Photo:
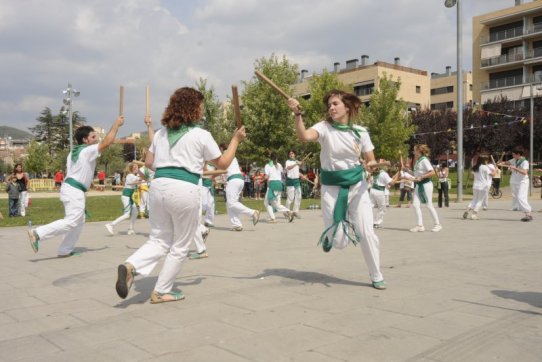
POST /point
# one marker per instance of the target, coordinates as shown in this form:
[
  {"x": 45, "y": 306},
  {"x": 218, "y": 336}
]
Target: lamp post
[
  {"x": 450, "y": 4},
  {"x": 70, "y": 93},
  {"x": 531, "y": 136}
]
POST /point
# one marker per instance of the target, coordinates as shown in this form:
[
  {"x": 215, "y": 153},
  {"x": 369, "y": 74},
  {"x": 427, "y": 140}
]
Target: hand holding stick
[{"x": 236, "y": 106}]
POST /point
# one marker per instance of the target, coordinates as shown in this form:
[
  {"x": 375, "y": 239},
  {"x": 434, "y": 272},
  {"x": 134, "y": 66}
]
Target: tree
[
  {"x": 216, "y": 122},
  {"x": 38, "y": 158},
  {"x": 112, "y": 159},
  {"x": 387, "y": 120},
  {"x": 266, "y": 115},
  {"x": 436, "y": 129}
]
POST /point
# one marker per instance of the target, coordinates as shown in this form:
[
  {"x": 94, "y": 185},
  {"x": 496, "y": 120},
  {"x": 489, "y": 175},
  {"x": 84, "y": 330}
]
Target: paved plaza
[{"x": 472, "y": 292}]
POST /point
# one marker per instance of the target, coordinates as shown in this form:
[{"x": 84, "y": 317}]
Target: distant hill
[{"x": 15, "y": 133}]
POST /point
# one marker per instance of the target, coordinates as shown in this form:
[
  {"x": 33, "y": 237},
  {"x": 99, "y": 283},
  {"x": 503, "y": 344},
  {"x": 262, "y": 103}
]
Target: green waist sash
[
  {"x": 378, "y": 187},
  {"x": 237, "y": 175},
  {"x": 421, "y": 190},
  {"x": 344, "y": 179},
  {"x": 78, "y": 185},
  {"x": 273, "y": 186},
  {"x": 129, "y": 193},
  {"x": 178, "y": 173},
  {"x": 293, "y": 182},
  {"x": 207, "y": 182}
]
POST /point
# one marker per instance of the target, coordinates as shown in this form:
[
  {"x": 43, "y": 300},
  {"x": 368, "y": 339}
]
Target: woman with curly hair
[
  {"x": 177, "y": 154},
  {"x": 346, "y": 206},
  {"x": 423, "y": 190}
]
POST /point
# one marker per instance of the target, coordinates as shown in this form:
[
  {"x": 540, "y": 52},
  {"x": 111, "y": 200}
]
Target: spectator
[{"x": 59, "y": 178}]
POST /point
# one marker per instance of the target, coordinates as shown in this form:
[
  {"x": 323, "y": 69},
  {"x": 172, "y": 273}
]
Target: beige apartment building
[
  {"x": 364, "y": 78},
  {"x": 444, "y": 90},
  {"x": 507, "y": 53}
]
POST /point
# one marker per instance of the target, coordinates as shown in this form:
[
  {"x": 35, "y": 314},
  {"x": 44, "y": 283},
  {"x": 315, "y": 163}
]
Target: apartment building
[
  {"x": 364, "y": 78},
  {"x": 507, "y": 53},
  {"x": 444, "y": 90}
]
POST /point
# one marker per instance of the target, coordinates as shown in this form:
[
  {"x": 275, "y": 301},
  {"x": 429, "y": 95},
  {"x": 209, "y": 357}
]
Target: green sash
[
  {"x": 293, "y": 182},
  {"x": 174, "y": 135},
  {"x": 347, "y": 128},
  {"x": 421, "y": 190},
  {"x": 76, "y": 151},
  {"x": 177, "y": 173},
  {"x": 72, "y": 182},
  {"x": 273, "y": 186},
  {"x": 237, "y": 175},
  {"x": 344, "y": 179},
  {"x": 207, "y": 182},
  {"x": 375, "y": 185},
  {"x": 520, "y": 161},
  {"x": 129, "y": 193}
]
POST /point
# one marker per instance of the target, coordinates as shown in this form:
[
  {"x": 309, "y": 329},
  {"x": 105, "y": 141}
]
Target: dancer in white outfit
[
  {"x": 346, "y": 205},
  {"x": 129, "y": 208},
  {"x": 81, "y": 164},
  {"x": 177, "y": 154},
  {"x": 381, "y": 182},
  {"x": 208, "y": 197},
  {"x": 234, "y": 190},
  {"x": 293, "y": 185},
  {"x": 480, "y": 187},
  {"x": 273, "y": 174},
  {"x": 423, "y": 192},
  {"x": 519, "y": 182}
]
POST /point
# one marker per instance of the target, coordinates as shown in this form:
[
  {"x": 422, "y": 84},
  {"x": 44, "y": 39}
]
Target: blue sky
[{"x": 98, "y": 45}]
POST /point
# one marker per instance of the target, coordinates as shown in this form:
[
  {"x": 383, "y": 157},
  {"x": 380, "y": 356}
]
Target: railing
[
  {"x": 535, "y": 53},
  {"x": 503, "y": 59},
  {"x": 536, "y": 28},
  {"x": 503, "y": 35},
  {"x": 503, "y": 82}
]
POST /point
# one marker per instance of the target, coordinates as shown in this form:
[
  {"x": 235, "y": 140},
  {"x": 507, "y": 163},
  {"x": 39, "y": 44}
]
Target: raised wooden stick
[
  {"x": 121, "y": 101},
  {"x": 236, "y": 106},
  {"x": 271, "y": 84},
  {"x": 139, "y": 163},
  {"x": 147, "y": 100},
  {"x": 306, "y": 156}
]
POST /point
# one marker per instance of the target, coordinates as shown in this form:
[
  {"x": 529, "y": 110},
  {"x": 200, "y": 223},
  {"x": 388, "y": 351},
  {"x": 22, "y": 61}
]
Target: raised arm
[
  {"x": 110, "y": 137},
  {"x": 224, "y": 161},
  {"x": 303, "y": 134}
]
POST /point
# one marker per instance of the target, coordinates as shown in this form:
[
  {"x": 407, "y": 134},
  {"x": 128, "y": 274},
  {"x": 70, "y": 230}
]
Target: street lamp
[
  {"x": 450, "y": 4},
  {"x": 531, "y": 130},
  {"x": 70, "y": 93}
]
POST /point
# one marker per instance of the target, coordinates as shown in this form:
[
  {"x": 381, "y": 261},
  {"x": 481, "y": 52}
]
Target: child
[
  {"x": 129, "y": 207},
  {"x": 81, "y": 163},
  {"x": 14, "y": 192}
]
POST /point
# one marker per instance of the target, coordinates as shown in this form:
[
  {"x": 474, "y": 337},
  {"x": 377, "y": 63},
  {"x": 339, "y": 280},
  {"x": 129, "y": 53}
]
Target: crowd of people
[{"x": 183, "y": 162}]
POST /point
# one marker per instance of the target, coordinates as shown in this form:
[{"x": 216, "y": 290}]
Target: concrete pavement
[{"x": 472, "y": 292}]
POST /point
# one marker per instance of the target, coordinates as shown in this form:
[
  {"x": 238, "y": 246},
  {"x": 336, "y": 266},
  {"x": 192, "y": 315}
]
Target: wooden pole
[
  {"x": 121, "y": 101},
  {"x": 271, "y": 84},
  {"x": 147, "y": 100},
  {"x": 236, "y": 106}
]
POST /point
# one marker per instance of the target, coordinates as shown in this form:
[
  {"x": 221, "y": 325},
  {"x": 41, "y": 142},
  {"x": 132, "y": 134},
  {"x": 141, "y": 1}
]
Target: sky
[{"x": 99, "y": 45}]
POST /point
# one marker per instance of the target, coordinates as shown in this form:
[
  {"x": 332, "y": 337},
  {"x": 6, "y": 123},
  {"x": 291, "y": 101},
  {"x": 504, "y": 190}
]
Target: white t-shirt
[
  {"x": 83, "y": 170},
  {"x": 383, "y": 179},
  {"x": 131, "y": 181},
  {"x": 273, "y": 173},
  {"x": 482, "y": 178},
  {"x": 190, "y": 152},
  {"x": 406, "y": 176},
  {"x": 492, "y": 169},
  {"x": 341, "y": 150},
  {"x": 422, "y": 166},
  {"x": 234, "y": 168},
  {"x": 294, "y": 171},
  {"x": 516, "y": 177}
]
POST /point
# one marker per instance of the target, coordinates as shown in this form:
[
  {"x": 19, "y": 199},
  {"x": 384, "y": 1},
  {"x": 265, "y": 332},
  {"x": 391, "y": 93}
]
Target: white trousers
[
  {"x": 478, "y": 197},
  {"x": 208, "y": 205},
  {"x": 72, "y": 223},
  {"x": 360, "y": 213},
  {"x": 520, "y": 192},
  {"x": 275, "y": 204},
  {"x": 174, "y": 222},
  {"x": 416, "y": 203},
  {"x": 293, "y": 195},
  {"x": 235, "y": 208},
  {"x": 129, "y": 212},
  {"x": 198, "y": 238},
  {"x": 144, "y": 201},
  {"x": 379, "y": 200},
  {"x": 23, "y": 202}
]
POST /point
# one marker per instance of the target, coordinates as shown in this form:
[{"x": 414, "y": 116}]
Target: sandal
[
  {"x": 194, "y": 256},
  {"x": 159, "y": 297},
  {"x": 126, "y": 273}
]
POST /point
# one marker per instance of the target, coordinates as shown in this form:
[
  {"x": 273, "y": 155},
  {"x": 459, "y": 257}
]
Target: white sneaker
[
  {"x": 109, "y": 228},
  {"x": 436, "y": 228},
  {"x": 474, "y": 217},
  {"x": 417, "y": 229},
  {"x": 131, "y": 232}
]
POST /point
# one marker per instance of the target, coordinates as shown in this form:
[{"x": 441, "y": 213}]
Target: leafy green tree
[
  {"x": 266, "y": 115},
  {"x": 38, "y": 158},
  {"x": 387, "y": 120},
  {"x": 111, "y": 159},
  {"x": 215, "y": 120}
]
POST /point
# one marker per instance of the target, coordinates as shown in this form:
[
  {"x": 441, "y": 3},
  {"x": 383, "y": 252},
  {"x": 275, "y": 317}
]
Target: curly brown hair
[
  {"x": 184, "y": 107},
  {"x": 351, "y": 101}
]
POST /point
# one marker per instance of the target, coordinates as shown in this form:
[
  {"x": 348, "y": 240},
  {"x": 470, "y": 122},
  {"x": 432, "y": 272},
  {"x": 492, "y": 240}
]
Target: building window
[
  {"x": 442, "y": 106},
  {"x": 506, "y": 79},
  {"x": 442, "y": 90},
  {"x": 506, "y": 31},
  {"x": 364, "y": 90},
  {"x": 418, "y": 89}
]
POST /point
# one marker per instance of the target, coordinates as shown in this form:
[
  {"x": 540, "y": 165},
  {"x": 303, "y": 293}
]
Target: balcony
[
  {"x": 503, "y": 59},
  {"x": 503, "y": 35},
  {"x": 502, "y": 83}
]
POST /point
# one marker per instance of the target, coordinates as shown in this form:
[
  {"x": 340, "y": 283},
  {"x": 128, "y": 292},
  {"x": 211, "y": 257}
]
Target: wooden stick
[
  {"x": 121, "y": 101},
  {"x": 306, "y": 156},
  {"x": 271, "y": 84},
  {"x": 214, "y": 172},
  {"x": 139, "y": 163},
  {"x": 147, "y": 100},
  {"x": 236, "y": 106}
]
